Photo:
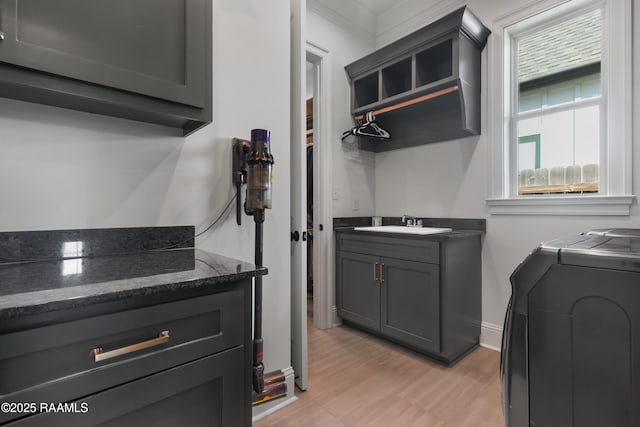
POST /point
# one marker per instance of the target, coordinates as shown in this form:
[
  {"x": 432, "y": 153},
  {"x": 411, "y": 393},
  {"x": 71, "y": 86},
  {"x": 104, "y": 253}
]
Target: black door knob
[
  {"x": 304, "y": 236},
  {"x": 295, "y": 236}
]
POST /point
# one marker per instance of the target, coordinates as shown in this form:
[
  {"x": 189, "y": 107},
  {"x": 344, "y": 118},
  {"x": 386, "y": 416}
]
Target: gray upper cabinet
[
  {"x": 145, "y": 60},
  {"x": 424, "y": 87}
]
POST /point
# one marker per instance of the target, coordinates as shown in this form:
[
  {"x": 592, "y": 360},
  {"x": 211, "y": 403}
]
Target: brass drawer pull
[
  {"x": 381, "y": 278},
  {"x": 375, "y": 267},
  {"x": 98, "y": 355}
]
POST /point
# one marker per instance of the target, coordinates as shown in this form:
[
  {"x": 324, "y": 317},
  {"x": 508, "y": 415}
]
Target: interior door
[{"x": 298, "y": 196}]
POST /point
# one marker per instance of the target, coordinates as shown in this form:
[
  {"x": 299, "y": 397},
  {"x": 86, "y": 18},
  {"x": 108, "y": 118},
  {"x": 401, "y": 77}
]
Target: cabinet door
[
  {"x": 358, "y": 294},
  {"x": 207, "y": 392},
  {"x": 410, "y": 306},
  {"x": 148, "y": 47}
]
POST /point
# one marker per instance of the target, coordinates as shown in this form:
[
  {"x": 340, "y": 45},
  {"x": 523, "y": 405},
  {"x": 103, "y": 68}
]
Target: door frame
[
  {"x": 298, "y": 195},
  {"x": 324, "y": 312}
]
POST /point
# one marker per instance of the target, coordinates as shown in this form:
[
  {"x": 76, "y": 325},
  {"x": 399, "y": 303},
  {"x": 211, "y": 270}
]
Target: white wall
[
  {"x": 353, "y": 170},
  {"x": 66, "y": 169},
  {"x": 449, "y": 179}
]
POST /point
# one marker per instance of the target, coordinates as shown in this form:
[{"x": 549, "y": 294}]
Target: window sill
[{"x": 582, "y": 205}]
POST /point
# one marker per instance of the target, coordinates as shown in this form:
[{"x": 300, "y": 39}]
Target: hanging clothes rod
[{"x": 411, "y": 101}]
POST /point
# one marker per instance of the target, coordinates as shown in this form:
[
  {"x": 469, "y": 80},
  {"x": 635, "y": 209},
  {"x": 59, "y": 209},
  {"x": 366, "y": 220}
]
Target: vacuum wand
[
  {"x": 258, "y": 366},
  {"x": 259, "y": 162}
]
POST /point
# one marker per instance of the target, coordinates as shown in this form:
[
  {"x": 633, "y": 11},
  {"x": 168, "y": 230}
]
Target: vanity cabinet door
[
  {"x": 410, "y": 303},
  {"x": 148, "y": 47},
  {"x": 358, "y": 291}
]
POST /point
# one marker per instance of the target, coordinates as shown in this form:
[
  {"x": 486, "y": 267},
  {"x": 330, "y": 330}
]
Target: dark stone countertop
[
  {"x": 42, "y": 272},
  {"x": 462, "y": 227},
  {"x": 29, "y": 288}
]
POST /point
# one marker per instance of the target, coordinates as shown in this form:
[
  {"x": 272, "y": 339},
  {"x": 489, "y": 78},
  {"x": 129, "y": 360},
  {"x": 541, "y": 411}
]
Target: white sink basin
[{"x": 403, "y": 229}]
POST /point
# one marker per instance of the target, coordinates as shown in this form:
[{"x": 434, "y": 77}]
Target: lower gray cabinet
[
  {"x": 180, "y": 361},
  {"x": 360, "y": 301},
  {"x": 421, "y": 293},
  {"x": 410, "y": 305},
  {"x": 204, "y": 393}
]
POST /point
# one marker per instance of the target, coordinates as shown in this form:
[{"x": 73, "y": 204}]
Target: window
[
  {"x": 557, "y": 82},
  {"x": 559, "y": 109}
]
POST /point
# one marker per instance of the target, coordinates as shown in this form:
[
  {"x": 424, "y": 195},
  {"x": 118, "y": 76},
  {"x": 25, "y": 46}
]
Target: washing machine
[{"x": 571, "y": 341}]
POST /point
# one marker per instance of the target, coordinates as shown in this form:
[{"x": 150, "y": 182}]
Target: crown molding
[
  {"x": 410, "y": 15},
  {"x": 348, "y": 15}
]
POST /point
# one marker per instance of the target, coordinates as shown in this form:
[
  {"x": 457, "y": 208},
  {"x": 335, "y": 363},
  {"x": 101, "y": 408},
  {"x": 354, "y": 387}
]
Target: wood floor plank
[{"x": 356, "y": 379}]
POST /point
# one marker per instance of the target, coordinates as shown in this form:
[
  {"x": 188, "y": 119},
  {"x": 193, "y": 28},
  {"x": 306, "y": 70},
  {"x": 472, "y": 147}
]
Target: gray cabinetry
[
  {"x": 410, "y": 307},
  {"x": 175, "y": 363},
  {"x": 360, "y": 301},
  {"x": 421, "y": 293},
  {"x": 201, "y": 393},
  {"x": 143, "y": 60},
  {"x": 424, "y": 87}
]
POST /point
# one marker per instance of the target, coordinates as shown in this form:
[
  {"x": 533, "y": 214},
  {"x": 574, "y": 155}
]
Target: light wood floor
[{"x": 359, "y": 380}]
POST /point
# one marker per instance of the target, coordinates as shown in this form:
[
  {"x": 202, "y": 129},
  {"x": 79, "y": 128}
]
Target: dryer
[{"x": 571, "y": 342}]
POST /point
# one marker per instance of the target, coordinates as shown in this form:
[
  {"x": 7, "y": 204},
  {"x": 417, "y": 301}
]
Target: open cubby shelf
[
  {"x": 435, "y": 63},
  {"x": 396, "y": 78},
  {"x": 366, "y": 90},
  {"x": 438, "y": 59}
]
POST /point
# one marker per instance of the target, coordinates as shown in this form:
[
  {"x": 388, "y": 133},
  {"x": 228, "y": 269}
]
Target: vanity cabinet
[
  {"x": 420, "y": 292},
  {"x": 182, "y": 362},
  {"x": 143, "y": 60}
]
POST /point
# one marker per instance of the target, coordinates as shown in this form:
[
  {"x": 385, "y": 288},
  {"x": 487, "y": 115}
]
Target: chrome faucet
[
  {"x": 407, "y": 220},
  {"x": 411, "y": 221}
]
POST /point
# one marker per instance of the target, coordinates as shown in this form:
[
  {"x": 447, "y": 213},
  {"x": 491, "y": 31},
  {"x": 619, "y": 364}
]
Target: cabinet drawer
[
  {"x": 34, "y": 363},
  {"x": 208, "y": 392},
  {"x": 394, "y": 247}
]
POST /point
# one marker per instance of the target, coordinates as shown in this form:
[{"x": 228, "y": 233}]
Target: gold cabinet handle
[
  {"x": 375, "y": 268},
  {"x": 381, "y": 278},
  {"x": 98, "y": 355}
]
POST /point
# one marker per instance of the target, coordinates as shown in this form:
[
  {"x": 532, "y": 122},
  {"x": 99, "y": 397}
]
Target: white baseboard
[
  {"x": 269, "y": 408},
  {"x": 491, "y": 336},
  {"x": 335, "y": 319}
]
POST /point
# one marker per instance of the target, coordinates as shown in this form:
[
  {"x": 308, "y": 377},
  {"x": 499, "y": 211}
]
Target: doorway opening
[
  {"x": 321, "y": 265},
  {"x": 309, "y": 142},
  {"x": 312, "y": 292}
]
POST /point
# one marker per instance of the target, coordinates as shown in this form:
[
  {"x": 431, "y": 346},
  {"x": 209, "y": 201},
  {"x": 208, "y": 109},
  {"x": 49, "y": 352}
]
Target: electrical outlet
[
  {"x": 355, "y": 204},
  {"x": 334, "y": 194}
]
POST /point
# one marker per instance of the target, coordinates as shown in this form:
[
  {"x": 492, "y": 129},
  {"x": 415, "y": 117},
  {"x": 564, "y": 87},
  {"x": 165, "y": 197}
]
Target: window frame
[{"x": 614, "y": 197}]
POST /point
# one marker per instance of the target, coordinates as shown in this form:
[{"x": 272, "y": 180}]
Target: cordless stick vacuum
[{"x": 252, "y": 163}]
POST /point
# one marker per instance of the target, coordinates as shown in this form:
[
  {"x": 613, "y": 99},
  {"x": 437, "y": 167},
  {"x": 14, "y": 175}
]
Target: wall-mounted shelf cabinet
[
  {"x": 424, "y": 87},
  {"x": 147, "y": 61}
]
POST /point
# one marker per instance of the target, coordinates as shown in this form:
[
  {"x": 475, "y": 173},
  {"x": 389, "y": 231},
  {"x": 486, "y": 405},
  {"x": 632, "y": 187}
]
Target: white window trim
[{"x": 616, "y": 164}]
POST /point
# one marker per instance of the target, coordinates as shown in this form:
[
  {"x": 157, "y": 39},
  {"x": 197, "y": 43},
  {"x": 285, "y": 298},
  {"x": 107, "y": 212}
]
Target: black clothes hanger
[{"x": 367, "y": 128}]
